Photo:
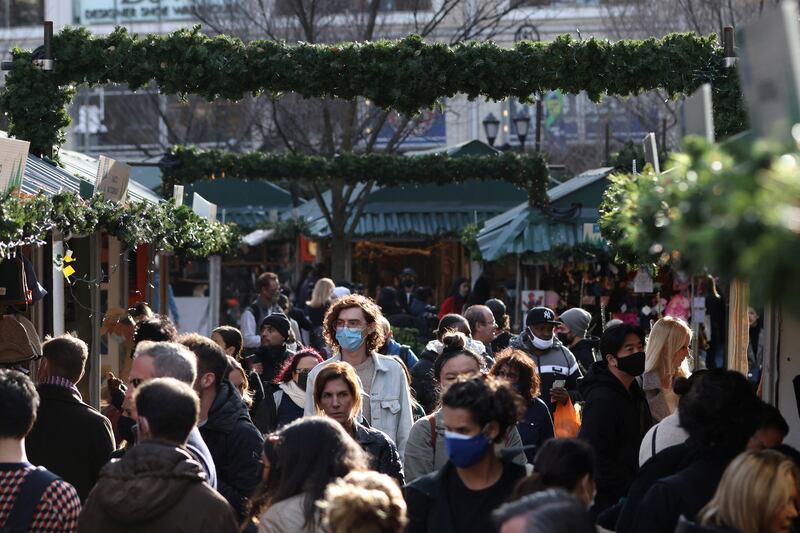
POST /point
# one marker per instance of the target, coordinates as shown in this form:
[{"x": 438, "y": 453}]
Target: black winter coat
[
  {"x": 69, "y": 438},
  {"x": 429, "y": 508},
  {"x": 684, "y": 493},
  {"x": 272, "y": 358},
  {"x": 383, "y": 455},
  {"x": 535, "y": 427},
  {"x": 687, "y": 526},
  {"x": 665, "y": 463},
  {"x": 584, "y": 352},
  {"x": 423, "y": 383},
  {"x": 615, "y": 420},
  {"x": 235, "y": 445}
]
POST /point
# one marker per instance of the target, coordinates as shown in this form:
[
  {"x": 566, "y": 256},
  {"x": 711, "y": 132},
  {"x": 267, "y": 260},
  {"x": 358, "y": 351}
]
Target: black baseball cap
[{"x": 541, "y": 315}]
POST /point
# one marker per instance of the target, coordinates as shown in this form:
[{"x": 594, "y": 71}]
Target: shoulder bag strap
[
  {"x": 31, "y": 492},
  {"x": 432, "y": 422}
]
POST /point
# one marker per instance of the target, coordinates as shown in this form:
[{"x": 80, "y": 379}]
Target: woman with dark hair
[
  {"x": 458, "y": 297},
  {"x": 229, "y": 339},
  {"x": 425, "y": 450},
  {"x": 536, "y": 426},
  {"x": 477, "y": 414},
  {"x": 309, "y": 454},
  {"x": 720, "y": 412},
  {"x": 290, "y": 398},
  {"x": 562, "y": 463},
  {"x": 422, "y": 374}
]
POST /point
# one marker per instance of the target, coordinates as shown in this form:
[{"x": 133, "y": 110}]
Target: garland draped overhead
[
  {"x": 26, "y": 221},
  {"x": 406, "y": 75},
  {"x": 733, "y": 209},
  {"x": 187, "y": 164}
]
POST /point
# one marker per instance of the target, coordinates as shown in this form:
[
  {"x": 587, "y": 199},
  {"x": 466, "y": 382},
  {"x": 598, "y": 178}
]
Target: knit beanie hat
[
  {"x": 279, "y": 322},
  {"x": 577, "y": 320}
]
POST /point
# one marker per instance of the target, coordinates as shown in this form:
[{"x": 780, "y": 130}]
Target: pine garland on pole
[{"x": 406, "y": 75}]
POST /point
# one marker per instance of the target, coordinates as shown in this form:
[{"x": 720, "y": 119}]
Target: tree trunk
[{"x": 340, "y": 258}]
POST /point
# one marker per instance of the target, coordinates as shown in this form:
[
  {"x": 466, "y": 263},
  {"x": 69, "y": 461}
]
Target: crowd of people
[{"x": 312, "y": 418}]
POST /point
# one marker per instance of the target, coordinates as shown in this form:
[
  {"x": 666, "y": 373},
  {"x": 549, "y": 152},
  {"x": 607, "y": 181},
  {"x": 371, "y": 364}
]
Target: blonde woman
[
  {"x": 757, "y": 494},
  {"x": 665, "y": 359}
]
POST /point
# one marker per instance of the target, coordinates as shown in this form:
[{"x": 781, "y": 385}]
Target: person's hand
[
  {"x": 559, "y": 395},
  {"x": 258, "y": 368},
  {"x": 114, "y": 383}
]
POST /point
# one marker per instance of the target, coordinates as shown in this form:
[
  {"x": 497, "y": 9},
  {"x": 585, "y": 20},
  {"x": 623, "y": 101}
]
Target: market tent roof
[
  {"x": 423, "y": 211},
  {"x": 524, "y": 229},
  {"x": 84, "y": 167},
  {"x": 247, "y": 203}
]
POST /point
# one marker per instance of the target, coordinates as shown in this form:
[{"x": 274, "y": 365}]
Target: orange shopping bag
[{"x": 565, "y": 420}]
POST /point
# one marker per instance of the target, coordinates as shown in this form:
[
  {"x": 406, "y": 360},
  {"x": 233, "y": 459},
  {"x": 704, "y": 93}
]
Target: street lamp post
[
  {"x": 522, "y": 123},
  {"x": 491, "y": 126}
]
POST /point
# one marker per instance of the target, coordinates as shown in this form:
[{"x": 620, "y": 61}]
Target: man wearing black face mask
[
  {"x": 408, "y": 279},
  {"x": 615, "y": 415}
]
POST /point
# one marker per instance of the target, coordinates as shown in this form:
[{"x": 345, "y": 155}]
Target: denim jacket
[{"x": 389, "y": 398}]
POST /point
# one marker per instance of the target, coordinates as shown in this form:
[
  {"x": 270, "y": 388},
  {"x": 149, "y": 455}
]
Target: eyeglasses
[
  {"x": 351, "y": 324},
  {"x": 485, "y": 323},
  {"x": 135, "y": 382}
]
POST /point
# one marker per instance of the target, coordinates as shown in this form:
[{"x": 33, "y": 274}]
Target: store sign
[
  {"x": 112, "y": 179},
  {"x": 122, "y": 11}
]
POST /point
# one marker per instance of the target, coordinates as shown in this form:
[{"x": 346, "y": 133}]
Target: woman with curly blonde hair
[
  {"x": 364, "y": 502},
  {"x": 665, "y": 359}
]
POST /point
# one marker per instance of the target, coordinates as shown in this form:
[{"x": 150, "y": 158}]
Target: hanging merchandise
[
  {"x": 13, "y": 284},
  {"x": 35, "y": 290},
  {"x": 18, "y": 340}
]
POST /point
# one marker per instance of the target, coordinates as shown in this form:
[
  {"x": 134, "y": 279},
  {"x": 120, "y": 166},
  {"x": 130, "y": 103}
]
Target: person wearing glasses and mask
[
  {"x": 290, "y": 396},
  {"x": 558, "y": 368},
  {"x": 353, "y": 332},
  {"x": 616, "y": 416}
]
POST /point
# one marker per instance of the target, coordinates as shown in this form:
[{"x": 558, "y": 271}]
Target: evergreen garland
[
  {"x": 406, "y": 75},
  {"x": 26, "y": 221},
  {"x": 733, "y": 210},
  {"x": 187, "y": 164}
]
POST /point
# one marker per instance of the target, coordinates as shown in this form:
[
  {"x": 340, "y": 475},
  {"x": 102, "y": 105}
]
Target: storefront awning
[
  {"x": 525, "y": 229},
  {"x": 84, "y": 167}
]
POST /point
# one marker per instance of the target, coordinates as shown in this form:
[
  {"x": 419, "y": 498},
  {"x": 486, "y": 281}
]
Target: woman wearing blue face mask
[
  {"x": 519, "y": 370},
  {"x": 461, "y": 496}
]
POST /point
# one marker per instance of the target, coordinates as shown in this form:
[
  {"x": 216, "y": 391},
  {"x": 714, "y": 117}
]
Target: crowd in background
[{"x": 308, "y": 416}]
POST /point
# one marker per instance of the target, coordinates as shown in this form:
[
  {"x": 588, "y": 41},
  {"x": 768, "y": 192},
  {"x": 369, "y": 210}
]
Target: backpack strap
[
  {"x": 28, "y": 498},
  {"x": 432, "y": 421},
  {"x": 653, "y": 445}
]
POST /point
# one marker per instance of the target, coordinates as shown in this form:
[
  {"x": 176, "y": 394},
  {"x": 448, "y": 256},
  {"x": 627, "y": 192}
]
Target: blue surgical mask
[
  {"x": 465, "y": 451},
  {"x": 349, "y": 339}
]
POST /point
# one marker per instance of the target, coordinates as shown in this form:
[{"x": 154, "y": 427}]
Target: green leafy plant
[
  {"x": 406, "y": 75},
  {"x": 732, "y": 209},
  {"x": 25, "y": 221}
]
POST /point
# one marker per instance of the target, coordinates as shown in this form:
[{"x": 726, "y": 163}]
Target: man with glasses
[
  {"x": 353, "y": 332},
  {"x": 483, "y": 327},
  {"x": 167, "y": 360}
]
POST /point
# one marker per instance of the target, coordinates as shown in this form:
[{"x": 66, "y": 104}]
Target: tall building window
[{"x": 16, "y": 13}]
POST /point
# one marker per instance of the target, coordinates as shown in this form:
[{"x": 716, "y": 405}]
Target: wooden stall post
[{"x": 738, "y": 326}]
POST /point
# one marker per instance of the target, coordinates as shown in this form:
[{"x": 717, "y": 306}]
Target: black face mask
[
  {"x": 565, "y": 338},
  {"x": 633, "y": 365},
  {"x": 127, "y": 428},
  {"x": 302, "y": 380}
]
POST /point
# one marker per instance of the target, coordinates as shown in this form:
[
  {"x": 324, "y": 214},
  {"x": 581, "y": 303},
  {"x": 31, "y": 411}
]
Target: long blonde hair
[
  {"x": 321, "y": 295},
  {"x": 754, "y": 487},
  {"x": 668, "y": 336}
]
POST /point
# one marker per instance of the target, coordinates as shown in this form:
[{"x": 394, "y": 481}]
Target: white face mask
[{"x": 542, "y": 344}]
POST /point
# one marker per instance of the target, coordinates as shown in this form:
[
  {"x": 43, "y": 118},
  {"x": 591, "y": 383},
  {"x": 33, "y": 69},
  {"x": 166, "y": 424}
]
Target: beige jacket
[{"x": 288, "y": 516}]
